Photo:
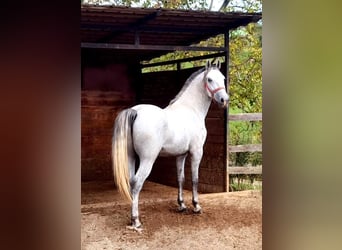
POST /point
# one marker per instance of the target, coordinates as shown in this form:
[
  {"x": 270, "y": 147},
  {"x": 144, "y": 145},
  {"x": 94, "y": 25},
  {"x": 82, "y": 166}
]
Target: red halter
[{"x": 212, "y": 92}]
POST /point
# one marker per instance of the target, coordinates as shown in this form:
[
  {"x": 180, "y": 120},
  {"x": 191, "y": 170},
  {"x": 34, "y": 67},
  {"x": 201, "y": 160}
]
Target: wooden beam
[
  {"x": 188, "y": 59},
  {"x": 148, "y": 47},
  {"x": 245, "y": 148},
  {"x": 246, "y": 117},
  {"x": 159, "y": 30},
  {"x": 245, "y": 170}
]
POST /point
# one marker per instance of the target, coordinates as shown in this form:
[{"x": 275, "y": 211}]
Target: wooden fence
[{"x": 246, "y": 147}]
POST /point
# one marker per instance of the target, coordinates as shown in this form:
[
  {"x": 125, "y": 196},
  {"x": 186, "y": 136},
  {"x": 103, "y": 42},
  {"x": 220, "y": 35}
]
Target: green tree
[{"x": 245, "y": 68}]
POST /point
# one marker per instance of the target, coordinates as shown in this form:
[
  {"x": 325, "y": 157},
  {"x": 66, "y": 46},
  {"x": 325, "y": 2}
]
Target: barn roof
[{"x": 144, "y": 33}]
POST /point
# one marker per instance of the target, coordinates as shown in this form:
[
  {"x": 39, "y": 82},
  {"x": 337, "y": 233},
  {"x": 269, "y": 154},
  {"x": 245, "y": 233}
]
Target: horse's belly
[
  {"x": 173, "y": 151},
  {"x": 175, "y": 146},
  {"x": 178, "y": 136}
]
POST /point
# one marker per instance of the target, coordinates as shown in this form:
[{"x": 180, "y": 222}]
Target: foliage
[
  {"x": 171, "y": 4},
  {"x": 244, "y": 5},
  {"x": 245, "y": 69},
  {"x": 244, "y": 182}
]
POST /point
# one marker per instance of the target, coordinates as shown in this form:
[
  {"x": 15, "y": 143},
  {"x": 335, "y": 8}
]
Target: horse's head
[{"x": 214, "y": 83}]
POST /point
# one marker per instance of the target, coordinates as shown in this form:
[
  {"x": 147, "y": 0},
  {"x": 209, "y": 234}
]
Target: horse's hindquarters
[{"x": 148, "y": 130}]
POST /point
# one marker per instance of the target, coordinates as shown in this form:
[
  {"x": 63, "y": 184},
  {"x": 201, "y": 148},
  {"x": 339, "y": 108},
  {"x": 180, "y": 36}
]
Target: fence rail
[
  {"x": 246, "y": 147},
  {"x": 245, "y": 170},
  {"x": 246, "y": 117}
]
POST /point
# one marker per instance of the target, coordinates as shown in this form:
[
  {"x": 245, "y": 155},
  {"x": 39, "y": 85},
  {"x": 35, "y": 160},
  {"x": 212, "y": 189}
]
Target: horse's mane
[{"x": 187, "y": 83}]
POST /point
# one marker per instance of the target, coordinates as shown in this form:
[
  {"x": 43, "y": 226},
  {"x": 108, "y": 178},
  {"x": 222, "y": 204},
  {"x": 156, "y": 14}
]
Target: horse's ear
[
  {"x": 207, "y": 65},
  {"x": 219, "y": 64}
]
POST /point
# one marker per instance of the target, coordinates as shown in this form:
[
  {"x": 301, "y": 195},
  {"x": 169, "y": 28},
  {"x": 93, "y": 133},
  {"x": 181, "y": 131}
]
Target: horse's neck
[{"x": 195, "y": 97}]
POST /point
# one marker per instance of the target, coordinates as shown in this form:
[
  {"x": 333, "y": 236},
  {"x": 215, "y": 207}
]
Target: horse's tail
[{"x": 121, "y": 143}]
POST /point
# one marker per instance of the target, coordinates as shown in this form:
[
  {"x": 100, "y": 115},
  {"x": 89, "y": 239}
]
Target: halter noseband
[{"x": 212, "y": 92}]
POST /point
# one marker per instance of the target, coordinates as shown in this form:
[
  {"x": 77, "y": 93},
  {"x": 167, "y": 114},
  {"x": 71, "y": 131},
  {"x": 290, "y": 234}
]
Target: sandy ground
[{"x": 228, "y": 220}]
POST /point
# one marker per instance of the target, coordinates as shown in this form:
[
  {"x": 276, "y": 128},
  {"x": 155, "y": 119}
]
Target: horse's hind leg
[
  {"x": 131, "y": 166},
  {"x": 143, "y": 172},
  {"x": 180, "y": 176}
]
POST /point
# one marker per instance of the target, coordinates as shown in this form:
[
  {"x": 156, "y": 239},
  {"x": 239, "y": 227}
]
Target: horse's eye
[{"x": 210, "y": 80}]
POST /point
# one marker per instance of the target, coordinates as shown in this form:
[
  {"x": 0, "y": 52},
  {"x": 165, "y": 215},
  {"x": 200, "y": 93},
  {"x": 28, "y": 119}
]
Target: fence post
[{"x": 226, "y": 116}]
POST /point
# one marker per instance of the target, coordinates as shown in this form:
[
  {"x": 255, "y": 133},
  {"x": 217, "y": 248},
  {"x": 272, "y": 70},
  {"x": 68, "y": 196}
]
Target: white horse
[{"x": 147, "y": 131}]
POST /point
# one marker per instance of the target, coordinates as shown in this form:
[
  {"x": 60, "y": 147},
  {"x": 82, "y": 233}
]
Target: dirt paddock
[{"x": 228, "y": 220}]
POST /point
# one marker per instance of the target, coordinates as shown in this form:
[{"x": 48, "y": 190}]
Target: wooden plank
[
  {"x": 245, "y": 148},
  {"x": 95, "y": 98},
  {"x": 148, "y": 47},
  {"x": 246, "y": 117},
  {"x": 245, "y": 170}
]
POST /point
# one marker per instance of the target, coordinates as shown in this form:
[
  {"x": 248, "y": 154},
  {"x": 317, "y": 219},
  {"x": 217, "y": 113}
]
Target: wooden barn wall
[
  {"x": 106, "y": 90},
  {"x": 159, "y": 88},
  {"x": 109, "y": 88}
]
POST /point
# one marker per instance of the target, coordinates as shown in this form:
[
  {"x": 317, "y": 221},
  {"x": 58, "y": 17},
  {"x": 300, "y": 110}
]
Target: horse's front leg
[
  {"x": 196, "y": 157},
  {"x": 180, "y": 161}
]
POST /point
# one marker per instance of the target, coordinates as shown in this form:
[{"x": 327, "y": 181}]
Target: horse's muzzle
[
  {"x": 223, "y": 105},
  {"x": 223, "y": 101}
]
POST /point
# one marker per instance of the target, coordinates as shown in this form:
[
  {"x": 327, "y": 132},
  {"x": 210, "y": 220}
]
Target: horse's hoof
[
  {"x": 135, "y": 228},
  {"x": 197, "y": 210},
  {"x": 181, "y": 209}
]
